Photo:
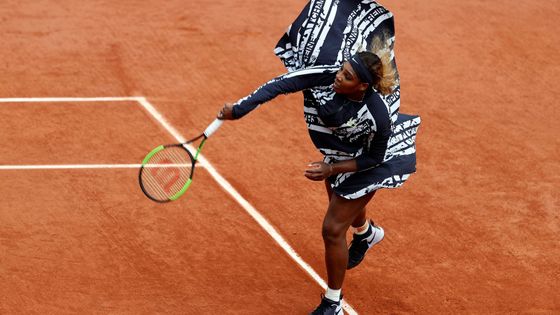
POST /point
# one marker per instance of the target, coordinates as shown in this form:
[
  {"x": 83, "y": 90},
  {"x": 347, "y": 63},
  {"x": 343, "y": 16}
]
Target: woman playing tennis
[{"x": 351, "y": 102}]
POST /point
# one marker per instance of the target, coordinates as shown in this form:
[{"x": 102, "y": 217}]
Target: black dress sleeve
[
  {"x": 284, "y": 84},
  {"x": 376, "y": 148}
]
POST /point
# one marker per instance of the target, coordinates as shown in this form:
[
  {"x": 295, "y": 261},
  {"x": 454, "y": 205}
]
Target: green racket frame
[{"x": 209, "y": 131}]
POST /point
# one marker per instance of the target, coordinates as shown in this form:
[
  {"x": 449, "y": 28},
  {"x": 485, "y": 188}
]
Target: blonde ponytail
[{"x": 387, "y": 75}]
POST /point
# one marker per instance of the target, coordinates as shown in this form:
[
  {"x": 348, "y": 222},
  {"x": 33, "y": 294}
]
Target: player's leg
[
  {"x": 361, "y": 219},
  {"x": 329, "y": 189},
  {"x": 366, "y": 234},
  {"x": 340, "y": 215}
]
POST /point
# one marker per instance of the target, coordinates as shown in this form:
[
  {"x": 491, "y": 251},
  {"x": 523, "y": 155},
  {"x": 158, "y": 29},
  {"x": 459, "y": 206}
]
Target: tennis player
[{"x": 340, "y": 54}]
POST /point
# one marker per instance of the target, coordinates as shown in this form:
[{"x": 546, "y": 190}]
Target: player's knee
[{"x": 332, "y": 232}]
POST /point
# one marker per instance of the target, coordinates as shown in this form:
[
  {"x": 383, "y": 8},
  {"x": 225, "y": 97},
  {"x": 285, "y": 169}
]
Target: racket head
[{"x": 166, "y": 172}]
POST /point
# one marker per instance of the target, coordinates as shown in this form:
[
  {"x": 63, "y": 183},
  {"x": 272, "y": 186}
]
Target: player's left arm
[{"x": 375, "y": 150}]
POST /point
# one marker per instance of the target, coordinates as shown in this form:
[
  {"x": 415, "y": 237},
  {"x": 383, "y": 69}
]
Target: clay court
[{"x": 87, "y": 90}]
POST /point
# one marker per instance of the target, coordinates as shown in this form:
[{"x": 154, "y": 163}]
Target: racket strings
[{"x": 167, "y": 172}]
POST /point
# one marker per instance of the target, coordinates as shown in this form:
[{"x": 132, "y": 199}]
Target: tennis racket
[{"x": 167, "y": 171}]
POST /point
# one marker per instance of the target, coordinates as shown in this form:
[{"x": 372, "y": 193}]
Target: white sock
[
  {"x": 362, "y": 229},
  {"x": 333, "y": 295}
]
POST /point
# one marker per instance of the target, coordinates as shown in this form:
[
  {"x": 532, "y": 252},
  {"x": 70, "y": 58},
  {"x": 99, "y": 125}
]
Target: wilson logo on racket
[{"x": 166, "y": 174}]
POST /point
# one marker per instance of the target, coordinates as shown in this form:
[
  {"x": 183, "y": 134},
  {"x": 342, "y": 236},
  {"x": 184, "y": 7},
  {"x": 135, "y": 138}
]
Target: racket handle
[{"x": 213, "y": 127}]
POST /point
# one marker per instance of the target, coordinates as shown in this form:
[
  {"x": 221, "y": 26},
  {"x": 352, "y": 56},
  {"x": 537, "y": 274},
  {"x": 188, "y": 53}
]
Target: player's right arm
[{"x": 287, "y": 83}]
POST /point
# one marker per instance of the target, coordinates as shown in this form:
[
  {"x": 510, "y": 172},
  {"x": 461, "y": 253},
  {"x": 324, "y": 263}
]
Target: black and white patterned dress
[{"x": 372, "y": 131}]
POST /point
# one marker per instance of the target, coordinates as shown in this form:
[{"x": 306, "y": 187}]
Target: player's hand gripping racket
[{"x": 167, "y": 171}]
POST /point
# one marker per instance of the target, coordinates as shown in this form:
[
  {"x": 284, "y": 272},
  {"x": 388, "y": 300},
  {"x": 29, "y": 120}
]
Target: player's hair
[{"x": 380, "y": 65}]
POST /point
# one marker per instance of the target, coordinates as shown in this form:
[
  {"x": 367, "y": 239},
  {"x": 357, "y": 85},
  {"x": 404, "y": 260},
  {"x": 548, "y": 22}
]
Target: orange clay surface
[{"x": 474, "y": 231}]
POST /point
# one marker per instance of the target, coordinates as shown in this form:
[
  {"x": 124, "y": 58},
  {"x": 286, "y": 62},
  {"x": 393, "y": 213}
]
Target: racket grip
[{"x": 213, "y": 127}]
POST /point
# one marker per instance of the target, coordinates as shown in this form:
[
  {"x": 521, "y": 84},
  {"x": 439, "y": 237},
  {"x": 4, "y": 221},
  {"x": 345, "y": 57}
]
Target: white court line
[
  {"x": 80, "y": 166},
  {"x": 67, "y": 166},
  {"x": 243, "y": 202},
  {"x": 69, "y": 99}
]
